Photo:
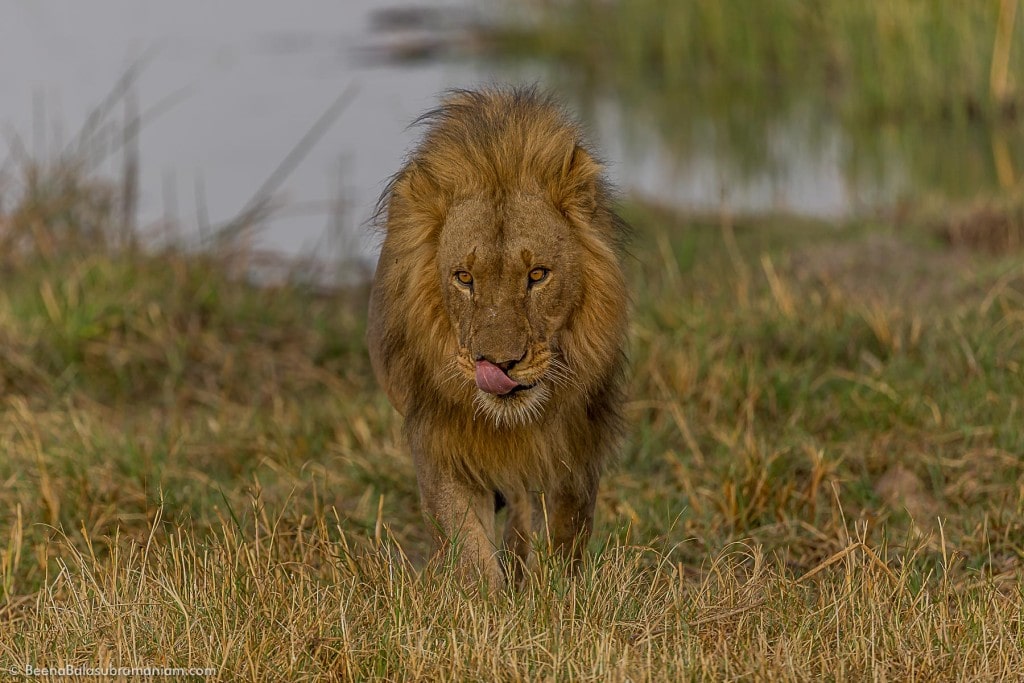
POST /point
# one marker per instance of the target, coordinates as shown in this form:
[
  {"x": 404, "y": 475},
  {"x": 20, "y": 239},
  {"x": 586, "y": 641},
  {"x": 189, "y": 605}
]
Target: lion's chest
[{"x": 531, "y": 456}]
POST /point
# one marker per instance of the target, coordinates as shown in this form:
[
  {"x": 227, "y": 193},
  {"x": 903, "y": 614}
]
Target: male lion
[{"x": 497, "y": 323}]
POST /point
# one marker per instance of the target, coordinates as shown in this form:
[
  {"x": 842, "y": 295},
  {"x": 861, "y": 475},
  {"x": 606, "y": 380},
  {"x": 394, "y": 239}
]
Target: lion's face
[{"x": 509, "y": 273}]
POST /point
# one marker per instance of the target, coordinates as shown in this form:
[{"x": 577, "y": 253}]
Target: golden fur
[{"x": 502, "y": 190}]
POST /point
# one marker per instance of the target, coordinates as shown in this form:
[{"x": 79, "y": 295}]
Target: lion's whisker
[
  {"x": 481, "y": 406},
  {"x": 562, "y": 380},
  {"x": 567, "y": 373}
]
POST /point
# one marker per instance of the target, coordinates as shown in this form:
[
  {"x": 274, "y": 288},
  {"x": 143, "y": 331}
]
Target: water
[{"x": 247, "y": 79}]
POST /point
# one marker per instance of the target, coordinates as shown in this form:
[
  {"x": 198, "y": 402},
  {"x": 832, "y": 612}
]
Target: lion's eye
[
  {"x": 464, "y": 278},
  {"x": 538, "y": 275}
]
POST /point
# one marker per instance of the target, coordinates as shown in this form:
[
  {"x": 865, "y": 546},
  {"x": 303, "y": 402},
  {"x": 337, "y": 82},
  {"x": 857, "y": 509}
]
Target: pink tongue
[{"x": 491, "y": 378}]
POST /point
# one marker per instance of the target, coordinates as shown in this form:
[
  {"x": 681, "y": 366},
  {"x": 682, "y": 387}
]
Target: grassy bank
[
  {"x": 896, "y": 59},
  {"x": 757, "y": 86},
  {"x": 823, "y": 475}
]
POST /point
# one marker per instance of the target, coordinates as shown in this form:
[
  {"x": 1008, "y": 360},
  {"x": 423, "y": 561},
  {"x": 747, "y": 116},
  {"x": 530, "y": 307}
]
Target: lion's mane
[{"x": 499, "y": 144}]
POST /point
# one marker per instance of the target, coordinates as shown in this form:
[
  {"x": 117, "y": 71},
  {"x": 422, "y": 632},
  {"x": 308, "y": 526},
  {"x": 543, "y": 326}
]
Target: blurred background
[{"x": 829, "y": 109}]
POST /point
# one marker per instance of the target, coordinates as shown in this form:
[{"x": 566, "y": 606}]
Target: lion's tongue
[{"x": 491, "y": 378}]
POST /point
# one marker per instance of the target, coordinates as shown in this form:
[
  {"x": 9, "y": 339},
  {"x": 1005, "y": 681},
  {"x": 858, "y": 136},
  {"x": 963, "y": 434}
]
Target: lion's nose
[{"x": 505, "y": 365}]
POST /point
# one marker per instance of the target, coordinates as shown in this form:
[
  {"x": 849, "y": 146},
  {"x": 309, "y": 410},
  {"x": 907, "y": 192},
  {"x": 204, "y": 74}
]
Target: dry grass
[
  {"x": 996, "y": 225},
  {"x": 823, "y": 477},
  {"x": 302, "y": 600}
]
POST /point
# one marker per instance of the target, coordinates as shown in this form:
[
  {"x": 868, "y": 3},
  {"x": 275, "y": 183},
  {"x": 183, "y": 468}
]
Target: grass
[
  {"x": 822, "y": 479},
  {"x": 996, "y": 224},
  {"x": 908, "y": 57}
]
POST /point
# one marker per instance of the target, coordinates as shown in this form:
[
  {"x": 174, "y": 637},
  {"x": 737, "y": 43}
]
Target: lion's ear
[{"x": 575, "y": 192}]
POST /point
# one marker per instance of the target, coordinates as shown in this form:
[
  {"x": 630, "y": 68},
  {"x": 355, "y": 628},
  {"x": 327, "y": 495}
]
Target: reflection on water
[
  {"x": 806, "y": 161},
  {"x": 244, "y": 80},
  {"x": 796, "y": 174}
]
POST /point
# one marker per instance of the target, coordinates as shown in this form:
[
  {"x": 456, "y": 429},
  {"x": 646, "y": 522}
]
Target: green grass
[
  {"x": 822, "y": 478},
  {"x": 901, "y": 58}
]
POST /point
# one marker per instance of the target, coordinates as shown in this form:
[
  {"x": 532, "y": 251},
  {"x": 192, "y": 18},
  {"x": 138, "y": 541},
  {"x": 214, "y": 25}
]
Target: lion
[{"x": 497, "y": 324}]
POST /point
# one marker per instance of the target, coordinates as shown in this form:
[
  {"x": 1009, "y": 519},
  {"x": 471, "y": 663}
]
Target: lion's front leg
[
  {"x": 569, "y": 511},
  {"x": 460, "y": 515},
  {"x": 518, "y": 534}
]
